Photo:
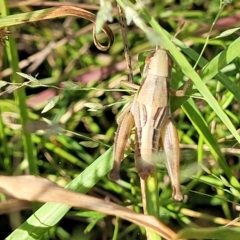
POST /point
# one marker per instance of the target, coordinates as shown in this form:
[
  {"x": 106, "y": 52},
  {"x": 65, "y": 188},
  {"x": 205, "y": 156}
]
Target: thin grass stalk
[
  {"x": 150, "y": 199},
  {"x": 4, "y": 149},
  {"x": 20, "y": 96}
]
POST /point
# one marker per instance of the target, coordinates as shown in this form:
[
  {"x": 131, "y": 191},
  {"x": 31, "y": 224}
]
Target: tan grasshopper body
[
  {"x": 150, "y": 113},
  {"x": 151, "y": 110}
]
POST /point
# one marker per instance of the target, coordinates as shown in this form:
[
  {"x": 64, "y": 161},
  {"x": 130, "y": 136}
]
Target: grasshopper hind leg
[
  {"x": 120, "y": 142},
  {"x": 114, "y": 174},
  {"x": 170, "y": 144}
]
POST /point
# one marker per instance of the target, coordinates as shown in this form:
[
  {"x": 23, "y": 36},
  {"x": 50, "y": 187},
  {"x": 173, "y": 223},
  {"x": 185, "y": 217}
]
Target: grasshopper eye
[
  {"x": 147, "y": 62},
  {"x": 148, "y": 59}
]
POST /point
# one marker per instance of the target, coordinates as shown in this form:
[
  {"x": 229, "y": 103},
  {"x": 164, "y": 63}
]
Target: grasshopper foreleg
[
  {"x": 125, "y": 125},
  {"x": 181, "y": 93},
  {"x": 170, "y": 145}
]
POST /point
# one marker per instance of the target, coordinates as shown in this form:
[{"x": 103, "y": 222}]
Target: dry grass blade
[
  {"x": 71, "y": 10},
  {"x": 61, "y": 11},
  {"x": 33, "y": 188},
  {"x": 14, "y": 3},
  {"x": 12, "y": 205}
]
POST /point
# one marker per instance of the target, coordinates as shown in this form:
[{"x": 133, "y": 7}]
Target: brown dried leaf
[
  {"x": 33, "y": 188},
  {"x": 12, "y": 205}
]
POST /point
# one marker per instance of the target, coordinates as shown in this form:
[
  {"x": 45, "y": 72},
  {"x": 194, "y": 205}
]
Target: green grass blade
[
  {"x": 212, "y": 69},
  {"x": 221, "y": 60},
  {"x": 190, "y": 72},
  {"x": 211, "y": 233},
  {"x": 201, "y": 126},
  {"x": 152, "y": 201},
  {"x": 51, "y": 213},
  {"x": 20, "y": 97}
]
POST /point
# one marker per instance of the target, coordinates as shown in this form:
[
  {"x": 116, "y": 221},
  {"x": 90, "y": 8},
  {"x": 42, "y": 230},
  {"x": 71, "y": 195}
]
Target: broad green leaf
[
  {"x": 93, "y": 106},
  {"x": 51, "y": 103},
  {"x": 28, "y": 76},
  {"x": 89, "y": 144},
  {"x": 225, "y": 181},
  {"x": 3, "y": 83},
  {"x": 235, "y": 192},
  {"x": 69, "y": 85},
  {"x": 227, "y": 32}
]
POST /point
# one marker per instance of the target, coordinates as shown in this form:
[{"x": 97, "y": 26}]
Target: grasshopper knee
[
  {"x": 177, "y": 195},
  {"x": 114, "y": 175}
]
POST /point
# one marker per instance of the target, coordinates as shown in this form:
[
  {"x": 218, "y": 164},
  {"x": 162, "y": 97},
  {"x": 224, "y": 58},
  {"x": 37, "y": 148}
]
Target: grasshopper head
[{"x": 159, "y": 63}]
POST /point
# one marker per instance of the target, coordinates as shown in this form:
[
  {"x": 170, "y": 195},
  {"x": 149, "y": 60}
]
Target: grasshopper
[{"x": 151, "y": 115}]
